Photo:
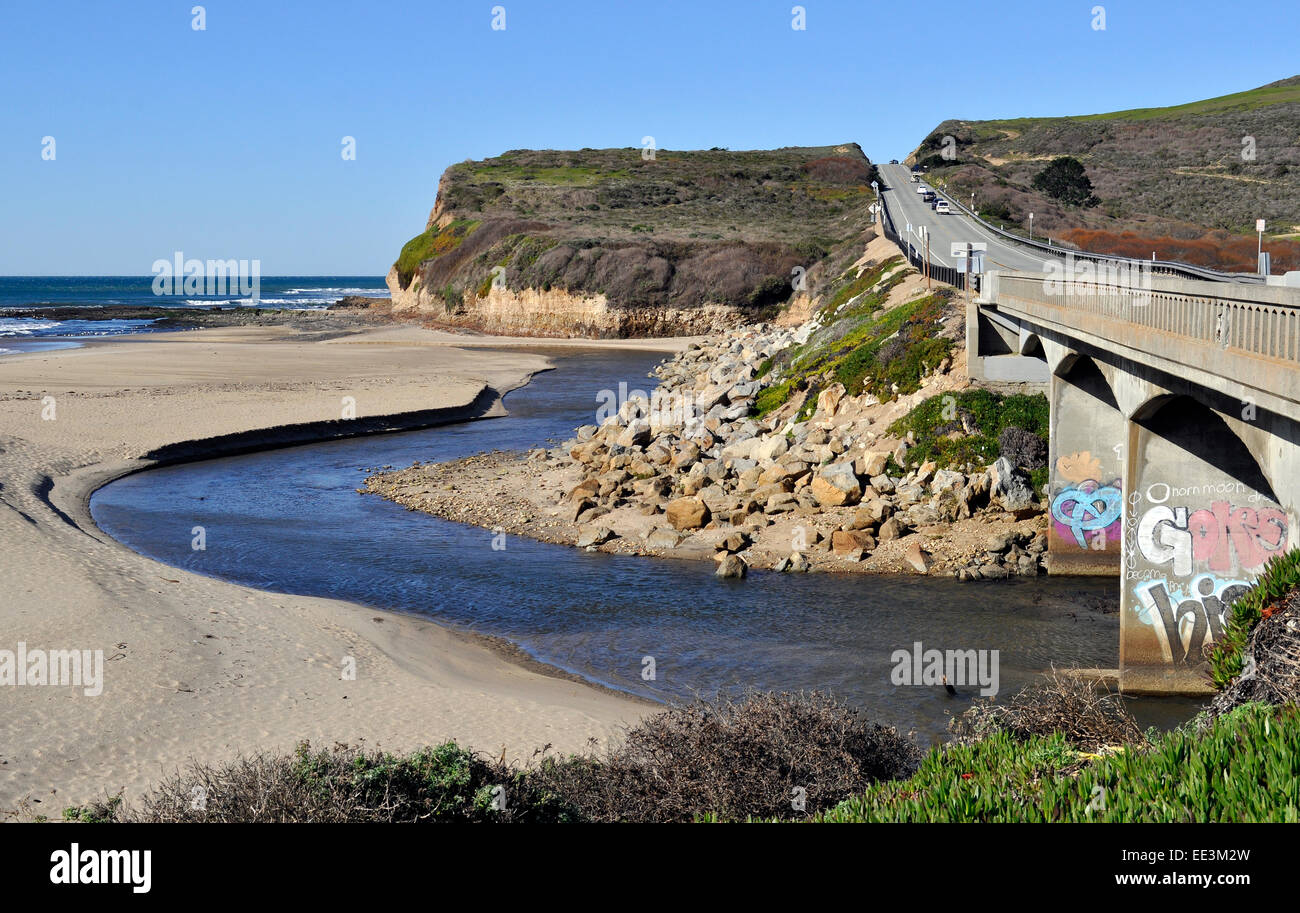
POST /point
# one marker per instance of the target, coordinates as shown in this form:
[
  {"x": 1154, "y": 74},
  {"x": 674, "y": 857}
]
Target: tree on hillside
[{"x": 1064, "y": 179}]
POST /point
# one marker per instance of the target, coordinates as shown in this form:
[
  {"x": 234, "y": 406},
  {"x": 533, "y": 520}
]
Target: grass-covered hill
[
  {"x": 679, "y": 231},
  {"x": 1176, "y": 172}
]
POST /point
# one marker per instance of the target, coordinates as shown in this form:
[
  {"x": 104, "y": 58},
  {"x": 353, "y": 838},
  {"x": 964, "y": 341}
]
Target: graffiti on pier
[
  {"x": 1185, "y": 621},
  {"x": 1188, "y": 564},
  {"x": 1221, "y": 537},
  {"x": 1089, "y": 513}
]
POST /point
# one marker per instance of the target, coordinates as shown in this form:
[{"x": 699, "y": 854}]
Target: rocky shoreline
[{"x": 692, "y": 471}]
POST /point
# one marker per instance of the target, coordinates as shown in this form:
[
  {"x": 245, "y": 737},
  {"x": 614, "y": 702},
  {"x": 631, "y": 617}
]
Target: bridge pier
[
  {"x": 1084, "y": 489},
  {"x": 1200, "y": 522},
  {"x": 1179, "y": 403}
]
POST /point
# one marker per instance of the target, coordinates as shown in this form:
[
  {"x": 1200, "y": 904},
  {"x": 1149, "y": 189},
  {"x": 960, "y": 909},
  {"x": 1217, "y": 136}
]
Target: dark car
[{"x": 893, "y": 161}]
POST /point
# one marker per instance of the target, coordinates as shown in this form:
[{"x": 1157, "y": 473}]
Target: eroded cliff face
[
  {"x": 606, "y": 243},
  {"x": 557, "y": 313}
]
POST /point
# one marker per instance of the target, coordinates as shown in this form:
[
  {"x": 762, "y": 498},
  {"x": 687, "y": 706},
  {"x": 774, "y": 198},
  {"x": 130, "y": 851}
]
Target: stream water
[{"x": 291, "y": 521}]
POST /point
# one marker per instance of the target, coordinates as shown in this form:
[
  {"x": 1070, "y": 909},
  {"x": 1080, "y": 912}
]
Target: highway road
[{"x": 905, "y": 206}]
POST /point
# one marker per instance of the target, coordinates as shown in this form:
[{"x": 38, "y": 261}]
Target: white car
[
  {"x": 922, "y": 189},
  {"x": 942, "y": 206}
]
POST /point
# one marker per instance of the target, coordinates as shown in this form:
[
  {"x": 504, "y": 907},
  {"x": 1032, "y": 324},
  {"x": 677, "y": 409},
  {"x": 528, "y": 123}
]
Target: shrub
[
  {"x": 1064, "y": 179},
  {"x": 1023, "y": 448},
  {"x": 735, "y": 759},
  {"x": 1277, "y": 583},
  {"x": 732, "y": 758},
  {"x": 445, "y": 783},
  {"x": 1069, "y": 705},
  {"x": 959, "y": 428}
]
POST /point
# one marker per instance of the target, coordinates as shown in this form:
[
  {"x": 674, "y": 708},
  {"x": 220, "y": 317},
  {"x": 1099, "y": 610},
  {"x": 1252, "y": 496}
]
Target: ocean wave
[
  {"x": 260, "y": 302},
  {"x": 24, "y": 326},
  {"x": 369, "y": 292}
]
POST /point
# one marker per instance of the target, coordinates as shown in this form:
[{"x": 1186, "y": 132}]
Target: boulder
[
  {"x": 1010, "y": 486},
  {"x": 734, "y": 542},
  {"x": 688, "y": 453},
  {"x": 828, "y": 401},
  {"x": 946, "y": 479},
  {"x": 997, "y": 543},
  {"x": 587, "y": 488},
  {"x": 836, "y": 485},
  {"x": 780, "y": 503},
  {"x": 924, "y": 473},
  {"x": 769, "y": 448},
  {"x": 663, "y": 537},
  {"x": 890, "y": 529},
  {"x": 636, "y": 434},
  {"x": 732, "y": 566},
  {"x": 871, "y": 464},
  {"x": 784, "y": 473},
  {"x": 916, "y": 556},
  {"x": 852, "y": 543},
  {"x": 591, "y": 535},
  {"x": 863, "y": 518},
  {"x": 573, "y": 510},
  {"x": 687, "y": 513}
]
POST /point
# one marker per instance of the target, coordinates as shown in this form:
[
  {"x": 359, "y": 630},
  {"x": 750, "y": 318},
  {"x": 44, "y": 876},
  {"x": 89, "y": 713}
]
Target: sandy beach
[{"x": 198, "y": 668}]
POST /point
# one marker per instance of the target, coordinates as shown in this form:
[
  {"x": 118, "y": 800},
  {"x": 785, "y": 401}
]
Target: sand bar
[{"x": 198, "y": 668}]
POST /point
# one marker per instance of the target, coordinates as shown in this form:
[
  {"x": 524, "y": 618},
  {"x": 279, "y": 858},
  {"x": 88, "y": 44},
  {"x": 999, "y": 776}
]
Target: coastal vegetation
[
  {"x": 1059, "y": 752},
  {"x": 761, "y": 755},
  {"x": 433, "y": 242},
  {"x": 1274, "y": 593},
  {"x": 1240, "y": 767},
  {"x": 646, "y": 229},
  {"x": 1197, "y": 172},
  {"x": 974, "y": 427},
  {"x": 885, "y": 352}
]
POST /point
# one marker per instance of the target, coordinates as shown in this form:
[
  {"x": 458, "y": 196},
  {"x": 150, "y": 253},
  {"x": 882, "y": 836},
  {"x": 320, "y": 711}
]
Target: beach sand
[{"x": 201, "y": 669}]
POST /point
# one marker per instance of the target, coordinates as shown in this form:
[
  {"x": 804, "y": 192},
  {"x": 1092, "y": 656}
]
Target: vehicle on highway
[
  {"x": 893, "y": 161},
  {"x": 928, "y": 197},
  {"x": 942, "y": 206},
  {"x": 923, "y": 189}
]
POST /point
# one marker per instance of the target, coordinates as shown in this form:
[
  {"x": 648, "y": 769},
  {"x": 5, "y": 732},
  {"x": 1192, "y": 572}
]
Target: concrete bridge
[{"x": 1175, "y": 441}]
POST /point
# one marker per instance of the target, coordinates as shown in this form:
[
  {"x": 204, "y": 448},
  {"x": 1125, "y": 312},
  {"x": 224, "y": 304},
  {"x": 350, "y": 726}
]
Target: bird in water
[{"x": 951, "y": 690}]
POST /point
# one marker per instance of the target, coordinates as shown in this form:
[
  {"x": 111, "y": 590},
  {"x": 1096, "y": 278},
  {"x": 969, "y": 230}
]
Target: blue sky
[{"x": 226, "y": 142}]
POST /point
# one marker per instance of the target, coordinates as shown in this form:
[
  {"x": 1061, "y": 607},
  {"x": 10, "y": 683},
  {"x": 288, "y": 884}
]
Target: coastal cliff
[{"x": 632, "y": 242}]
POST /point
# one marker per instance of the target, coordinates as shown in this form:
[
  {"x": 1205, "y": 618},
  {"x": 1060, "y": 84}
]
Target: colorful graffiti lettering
[
  {"x": 1223, "y": 538},
  {"x": 1186, "y": 623},
  {"x": 1086, "y": 508}
]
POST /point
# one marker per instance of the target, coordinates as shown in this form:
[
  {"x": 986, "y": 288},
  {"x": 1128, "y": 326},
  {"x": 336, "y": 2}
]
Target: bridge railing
[{"x": 1256, "y": 320}]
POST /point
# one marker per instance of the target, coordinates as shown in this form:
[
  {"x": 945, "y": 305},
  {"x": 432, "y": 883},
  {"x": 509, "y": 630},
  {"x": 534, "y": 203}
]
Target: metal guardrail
[
  {"x": 945, "y": 274},
  {"x": 1166, "y": 267}
]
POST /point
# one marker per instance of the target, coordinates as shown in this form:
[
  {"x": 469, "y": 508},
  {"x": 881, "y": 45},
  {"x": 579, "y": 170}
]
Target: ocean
[{"x": 97, "y": 292}]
